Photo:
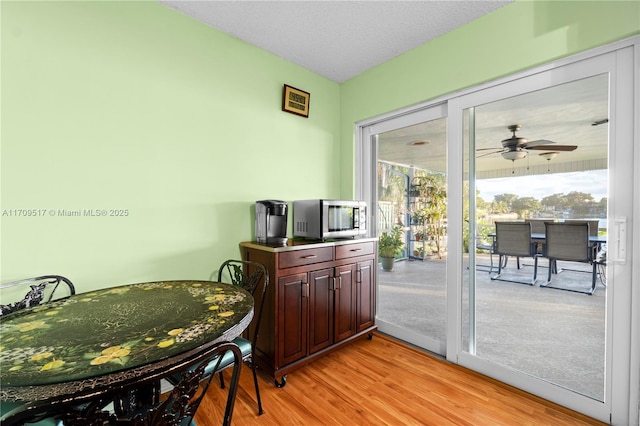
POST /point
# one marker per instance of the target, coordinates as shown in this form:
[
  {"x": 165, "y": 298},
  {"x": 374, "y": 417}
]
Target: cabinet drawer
[
  {"x": 353, "y": 250},
  {"x": 305, "y": 257}
]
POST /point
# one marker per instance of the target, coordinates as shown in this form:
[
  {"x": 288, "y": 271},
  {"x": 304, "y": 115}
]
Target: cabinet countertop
[{"x": 299, "y": 244}]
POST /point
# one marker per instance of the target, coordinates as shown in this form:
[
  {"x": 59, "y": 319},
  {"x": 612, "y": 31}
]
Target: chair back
[
  {"x": 593, "y": 225},
  {"x": 537, "y": 225},
  {"x": 41, "y": 290},
  {"x": 514, "y": 239},
  {"x": 248, "y": 275},
  {"x": 567, "y": 241},
  {"x": 138, "y": 401}
]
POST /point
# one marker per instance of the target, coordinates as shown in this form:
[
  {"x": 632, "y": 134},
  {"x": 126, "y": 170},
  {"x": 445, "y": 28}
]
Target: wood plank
[{"x": 384, "y": 382}]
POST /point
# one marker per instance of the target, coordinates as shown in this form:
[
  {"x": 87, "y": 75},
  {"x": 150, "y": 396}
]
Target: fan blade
[
  {"x": 537, "y": 142},
  {"x": 554, "y": 148},
  {"x": 489, "y": 149},
  {"x": 490, "y": 153}
]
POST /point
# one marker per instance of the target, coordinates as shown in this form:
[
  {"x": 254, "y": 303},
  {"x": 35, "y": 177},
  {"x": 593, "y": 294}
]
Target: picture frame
[{"x": 295, "y": 101}]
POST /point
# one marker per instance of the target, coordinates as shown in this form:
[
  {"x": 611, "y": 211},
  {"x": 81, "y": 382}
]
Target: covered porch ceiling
[{"x": 575, "y": 113}]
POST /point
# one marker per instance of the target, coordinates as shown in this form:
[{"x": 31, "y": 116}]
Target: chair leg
[
  {"x": 552, "y": 268},
  {"x": 221, "y": 380},
  {"x": 233, "y": 389},
  {"x": 500, "y": 258},
  {"x": 255, "y": 382}
]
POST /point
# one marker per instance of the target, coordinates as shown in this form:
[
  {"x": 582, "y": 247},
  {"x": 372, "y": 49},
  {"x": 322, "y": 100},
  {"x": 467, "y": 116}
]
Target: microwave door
[{"x": 340, "y": 218}]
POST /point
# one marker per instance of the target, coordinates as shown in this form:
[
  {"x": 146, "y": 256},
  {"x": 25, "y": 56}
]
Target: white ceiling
[{"x": 336, "y": 39}]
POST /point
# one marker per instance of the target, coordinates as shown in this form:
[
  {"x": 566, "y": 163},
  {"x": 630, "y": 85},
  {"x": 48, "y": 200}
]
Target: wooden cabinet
[{"x": 320, "y": 297}]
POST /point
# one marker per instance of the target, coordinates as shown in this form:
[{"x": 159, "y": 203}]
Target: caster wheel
[{"x": 281, "y": 383}]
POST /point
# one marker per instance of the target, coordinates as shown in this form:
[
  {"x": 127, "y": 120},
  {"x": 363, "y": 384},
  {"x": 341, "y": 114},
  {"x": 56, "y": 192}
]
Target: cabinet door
[
  {"x": 320, "y": 309},
  {"x": 293, "y": 302},
  {"x": 365, "y": 295},
  {"x": 345, "y": 302}
]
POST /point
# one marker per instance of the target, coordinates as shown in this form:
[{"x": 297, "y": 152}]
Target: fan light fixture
[
  {"x": 514, "y": 155},
  {"x": 549, "y": 155}
]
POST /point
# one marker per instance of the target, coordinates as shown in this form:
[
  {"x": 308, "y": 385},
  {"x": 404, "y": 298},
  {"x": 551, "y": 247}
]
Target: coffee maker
[{"x": 271, "y": 222}]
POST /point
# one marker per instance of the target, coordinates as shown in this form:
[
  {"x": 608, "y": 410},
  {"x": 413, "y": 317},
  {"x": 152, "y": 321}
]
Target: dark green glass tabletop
[{"x": 102, "y": 332}]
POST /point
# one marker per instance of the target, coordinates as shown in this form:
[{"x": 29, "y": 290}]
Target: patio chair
[
  {"x": 489, "y": 247},
  {"x": 569, "y": 241},
  {"x": 42, "y": 290},
  {"x": 593, "y": 225},
  {"x": 537, "y": 227},
  {"x": 514, "y": 239}
]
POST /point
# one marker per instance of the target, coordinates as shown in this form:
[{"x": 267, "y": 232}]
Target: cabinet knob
[{"x": 311, "y": 256}]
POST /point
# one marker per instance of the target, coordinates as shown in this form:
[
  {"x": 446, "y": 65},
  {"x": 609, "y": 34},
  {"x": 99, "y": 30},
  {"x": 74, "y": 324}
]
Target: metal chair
[
  {"x": 489, "y": 247},
  {"x": 569, "y": 241},
  {"x": 140, "y": 402},
  {"x": 537, "y": 227},
  {"x": 593, "y": 225},
  {"x": 42, "y": 290},
  {"x": 514, "y": 239},
  {"x": 248, "y": 275}
]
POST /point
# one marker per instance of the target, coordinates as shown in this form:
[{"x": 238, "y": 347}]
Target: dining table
[
  {"x": 83, "y": 346},
  {"x": 595, "y": 239},
  {"x": 541, "y": 238}
]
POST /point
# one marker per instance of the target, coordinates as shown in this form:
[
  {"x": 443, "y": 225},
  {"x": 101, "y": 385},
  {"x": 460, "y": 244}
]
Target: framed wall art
[{"x": 295, "y": 101}]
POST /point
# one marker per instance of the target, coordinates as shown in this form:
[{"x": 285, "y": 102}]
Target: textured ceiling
[{"x": 336, "y": 39}]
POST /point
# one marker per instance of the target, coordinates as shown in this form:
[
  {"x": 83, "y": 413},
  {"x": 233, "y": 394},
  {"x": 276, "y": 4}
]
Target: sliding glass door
[
  {"x": 558, "y": 174},
  {"x": 555, "y": 145},
  {"x": 411, "y": 202},
  {"x": 539, "y": 150}
]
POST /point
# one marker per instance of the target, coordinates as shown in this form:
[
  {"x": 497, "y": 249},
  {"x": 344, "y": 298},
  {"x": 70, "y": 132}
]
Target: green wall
[
  {"x": 511, "y": 39},
  {"x": 131, "y": 105}
]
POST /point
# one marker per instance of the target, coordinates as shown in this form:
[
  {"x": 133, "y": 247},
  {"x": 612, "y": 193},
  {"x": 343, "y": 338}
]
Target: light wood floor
[{"x": 384, "y": 382}]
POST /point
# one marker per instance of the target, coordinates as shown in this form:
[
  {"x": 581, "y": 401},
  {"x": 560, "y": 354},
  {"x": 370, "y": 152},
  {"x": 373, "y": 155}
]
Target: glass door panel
[
  {"x": 412, "y": 202},
  {"x": 538, "y": 157}
]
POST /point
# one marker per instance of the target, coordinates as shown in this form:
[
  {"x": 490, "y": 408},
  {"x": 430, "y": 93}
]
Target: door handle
[
  {"x": 620, "y": 236},
  {"x": 336, "y": 284}
]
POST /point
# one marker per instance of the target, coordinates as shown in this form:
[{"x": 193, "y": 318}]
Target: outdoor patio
[{"x": 551, "y": 334}]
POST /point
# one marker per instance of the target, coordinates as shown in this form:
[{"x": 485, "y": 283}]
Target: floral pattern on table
[{"x": 113, "y": 329}]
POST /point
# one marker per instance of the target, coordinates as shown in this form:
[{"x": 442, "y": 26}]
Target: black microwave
[{"x": 322, "y": 219}]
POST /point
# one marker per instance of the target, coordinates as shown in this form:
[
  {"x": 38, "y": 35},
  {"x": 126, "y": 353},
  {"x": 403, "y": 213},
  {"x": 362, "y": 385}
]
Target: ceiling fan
[{"x": 517, "y": 148}]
